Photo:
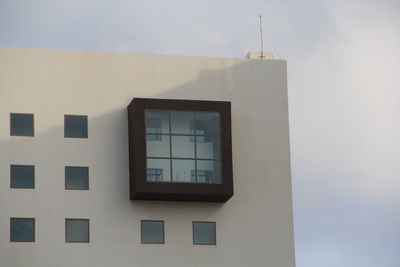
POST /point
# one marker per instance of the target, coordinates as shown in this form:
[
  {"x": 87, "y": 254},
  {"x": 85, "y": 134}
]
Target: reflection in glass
[
  {"x": 208, "y": 171},
  {"x": 179, "y": 139},
  {"x": 182, "y": 122},
  {"x": 182, "y": 170},
  {"x": 164, "y": 165},
  {"x": 208, "y": 147},
  {"x": 157, "y": 121},
  {"x": 207, "y": 123},
  {"x": 154, "y": 175},
  {"x": 182, "y": 147},
  {"x": 157, "y": 147}
]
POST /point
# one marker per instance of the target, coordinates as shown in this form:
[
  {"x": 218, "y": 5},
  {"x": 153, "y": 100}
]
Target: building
[{"x": 69, "y": 198}]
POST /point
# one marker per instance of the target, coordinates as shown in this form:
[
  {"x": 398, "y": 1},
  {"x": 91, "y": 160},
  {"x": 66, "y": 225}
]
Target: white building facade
[{"x": 99, "y": 225}]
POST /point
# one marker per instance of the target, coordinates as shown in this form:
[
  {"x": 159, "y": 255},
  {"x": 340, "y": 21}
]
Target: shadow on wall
[{"x": 239, "y": 81}]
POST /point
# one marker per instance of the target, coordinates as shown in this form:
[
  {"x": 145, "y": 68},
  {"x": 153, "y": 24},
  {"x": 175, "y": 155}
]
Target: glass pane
[
  {"x": 22, "y": 230},
  {"x": 159, "y": 164},
  {"x": 77, "y": 178},
  {"x": 157, "y": 145},
  {"x": 76, "y": 126},
  {"x": 22, "y": 176},
  {"x": 77, "y": 230},
  {"x": 154, "y": 175},
  {"x": 153, "y": 232},
  {"x": 22, "y": 124},
  {"x": 182, "y": 147},
  {"x": 182, "y": 170},
  {"x": 209, "y": 171},
  {"x": 208, "y": 147},
  {"x": 204, "y": 233},
  {"x": 157, "y": 121},
  {"x": 182, "y": 122},
  {"x": 207, "y": 123}
]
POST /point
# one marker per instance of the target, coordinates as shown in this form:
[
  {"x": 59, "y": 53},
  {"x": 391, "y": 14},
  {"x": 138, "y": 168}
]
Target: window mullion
[
  {"x": 195, "y": 146},
  {"x": 170, "y": 145}
]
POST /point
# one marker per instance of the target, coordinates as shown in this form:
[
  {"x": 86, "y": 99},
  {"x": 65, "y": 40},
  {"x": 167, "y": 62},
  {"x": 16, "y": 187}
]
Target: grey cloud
[{"x": 343, "y": 62}]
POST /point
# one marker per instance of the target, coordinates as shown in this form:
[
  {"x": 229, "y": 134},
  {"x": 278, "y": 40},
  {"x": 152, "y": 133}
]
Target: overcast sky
[{"x": 344, "y": 93}]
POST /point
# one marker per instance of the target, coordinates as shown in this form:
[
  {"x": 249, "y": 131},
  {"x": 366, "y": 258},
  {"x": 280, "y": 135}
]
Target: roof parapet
[{"x": 257, "y": 55}]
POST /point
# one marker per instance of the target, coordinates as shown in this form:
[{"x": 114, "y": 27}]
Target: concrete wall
[{"x": 254, "y": 228}]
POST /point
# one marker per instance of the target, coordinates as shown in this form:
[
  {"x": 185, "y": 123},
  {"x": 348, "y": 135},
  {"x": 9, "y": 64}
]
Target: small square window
[
  {"x": 77, "y": 230},
  {"x": 152, "y": 232},
  {"x": 22, "y": 229},
  {"x": 22, "y": 176},
  {"x": 21, "y": 124},
  {"x": 76, "y": 126},
  {"x": 204, "y": 233},
  {"x": 76, "y": 178}
]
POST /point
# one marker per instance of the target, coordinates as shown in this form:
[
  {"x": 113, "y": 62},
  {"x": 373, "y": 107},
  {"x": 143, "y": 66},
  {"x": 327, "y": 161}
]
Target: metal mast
[{"x": 262, "y": 48}]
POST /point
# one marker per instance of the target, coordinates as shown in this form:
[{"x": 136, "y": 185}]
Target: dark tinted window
[
  {"x": 76, "y": 126},
  {"x": 22, "y": 176},
  {"x": 152, "y": 232},
  {"x": 21, "y": 124},
  {"x": 77, "y": 178},
  {"x": 77, "y": 230},
  {"x": 22, "y": 229},
  {"x": 204, "y": 233}
]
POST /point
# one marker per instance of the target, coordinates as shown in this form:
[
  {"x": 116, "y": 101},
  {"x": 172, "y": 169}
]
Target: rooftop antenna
[{"x": 262, "y": 49}]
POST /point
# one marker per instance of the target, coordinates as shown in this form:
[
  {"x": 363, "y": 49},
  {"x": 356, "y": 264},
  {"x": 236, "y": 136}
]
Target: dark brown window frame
[
  {"x": 141, "y": 189},
  {"x": 141, "y": 232}
]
